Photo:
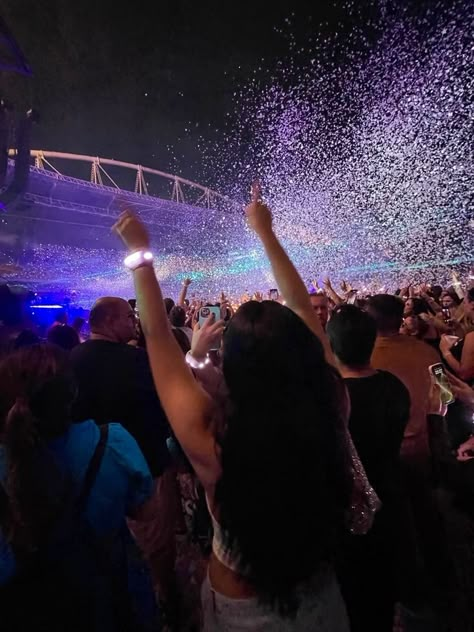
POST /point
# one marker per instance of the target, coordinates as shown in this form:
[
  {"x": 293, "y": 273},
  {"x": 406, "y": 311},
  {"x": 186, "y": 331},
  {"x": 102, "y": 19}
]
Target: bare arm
[
  {"x": 444, "y": 328},
  {"x": 185, "y": 403},
  {"x": 436, "y": 307},
  {"x": 184, "y": 291},
  {"x": 288, "y": 280},
  {"x": 147, "y": 511},
  {"x": 331, "y": 292},
  {"x": 462, "y": 391},
  {"x": 457, "y": 285},
  {"x": 404, "y": 292},
  {"x": 465, "y": 368}
]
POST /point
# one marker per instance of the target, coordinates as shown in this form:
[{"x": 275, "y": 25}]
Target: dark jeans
[{"x": 377, "y": 570}]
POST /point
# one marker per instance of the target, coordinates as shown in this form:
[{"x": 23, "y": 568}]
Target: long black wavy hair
[
  {"x": 36, "y": 395},
  {"x": 285, "y": 484}
]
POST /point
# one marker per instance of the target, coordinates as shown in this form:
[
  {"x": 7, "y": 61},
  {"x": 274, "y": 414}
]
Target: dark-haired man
[
  {"x": 409, "y": 359},
  {"x": 380, "y": 406}
]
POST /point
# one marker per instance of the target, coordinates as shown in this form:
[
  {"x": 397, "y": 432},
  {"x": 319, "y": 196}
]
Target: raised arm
[
  {"x": 331, "y": 292},
  {"x": 184, "y": 291},
  {"x": 288, "y": 280},
  {"x": 436, "y": 307},
  {"x": 185, "y": 403},
  {"x": 457, "y": 285}
]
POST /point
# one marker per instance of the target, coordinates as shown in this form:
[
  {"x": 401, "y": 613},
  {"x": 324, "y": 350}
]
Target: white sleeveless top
[{"x": 229, "y": 557}]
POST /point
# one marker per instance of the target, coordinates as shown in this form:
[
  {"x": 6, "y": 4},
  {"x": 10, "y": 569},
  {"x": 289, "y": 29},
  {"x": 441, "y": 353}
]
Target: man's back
[
  {"x": 409, "y": 359},
  {"x": 380, "y": 408},
  {"x": 116, "y": 385}
]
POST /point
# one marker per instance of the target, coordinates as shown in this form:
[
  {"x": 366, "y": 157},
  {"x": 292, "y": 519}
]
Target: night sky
[
  {"x": 151, "y": 82},
  {"x": 356, "y": 115}
]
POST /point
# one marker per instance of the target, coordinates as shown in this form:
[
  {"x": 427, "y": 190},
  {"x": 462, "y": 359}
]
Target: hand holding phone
[
  {"x": 446, "y": 315},
  {"x": 207, "y": 337},
  {"x": 205, "y": 312},
  {"x": 438, "y": 373}
]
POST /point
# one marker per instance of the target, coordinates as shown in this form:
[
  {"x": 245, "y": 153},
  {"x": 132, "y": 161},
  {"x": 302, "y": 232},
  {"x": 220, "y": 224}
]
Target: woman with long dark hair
[
  {"x": 64, "y": 492},
  {"x": 274, "y": 461}
]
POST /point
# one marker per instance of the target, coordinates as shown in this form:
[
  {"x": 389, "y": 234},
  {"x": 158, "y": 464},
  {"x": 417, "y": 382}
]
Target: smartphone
[
  {"x": 446, "y": 315},
  {"x": 205, "y": 312},
  {"x": 439, "y": 374},
  {"x": 273, "y": 294}
]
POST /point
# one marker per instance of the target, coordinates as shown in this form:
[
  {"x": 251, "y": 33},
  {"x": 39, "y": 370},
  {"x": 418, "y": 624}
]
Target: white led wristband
[
  {"x": 195, "y": 364},
  {"x": 138, "y": 259}
]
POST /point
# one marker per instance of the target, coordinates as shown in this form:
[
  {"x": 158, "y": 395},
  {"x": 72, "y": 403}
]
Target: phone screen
[
  {"x": 205, "y": 312},
  {"x": 438, "y": 372},
  {"x": 273, "y": 295}
]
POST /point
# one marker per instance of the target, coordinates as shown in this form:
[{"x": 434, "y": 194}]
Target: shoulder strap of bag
[{"x": 93, "y": 468}]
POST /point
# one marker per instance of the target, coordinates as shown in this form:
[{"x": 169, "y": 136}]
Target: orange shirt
[{"x": 409, "y": 358}]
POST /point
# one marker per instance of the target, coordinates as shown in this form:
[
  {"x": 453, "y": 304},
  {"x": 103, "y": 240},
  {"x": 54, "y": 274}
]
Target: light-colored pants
[{"x": 321, "y": 610}]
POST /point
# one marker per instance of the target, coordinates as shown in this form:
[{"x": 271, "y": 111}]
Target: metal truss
[
  {"x": 110, "y": 212},
  {"x": 183, "y": 191}
]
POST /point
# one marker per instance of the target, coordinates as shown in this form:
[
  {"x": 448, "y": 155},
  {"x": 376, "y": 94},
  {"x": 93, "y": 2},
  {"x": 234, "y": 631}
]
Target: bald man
[
  {"x": 115, "y": 381},
  {"x": 112, "y": 318}
]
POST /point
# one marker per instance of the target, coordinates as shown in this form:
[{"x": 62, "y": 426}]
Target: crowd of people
[{"x": 303, "y": 462}]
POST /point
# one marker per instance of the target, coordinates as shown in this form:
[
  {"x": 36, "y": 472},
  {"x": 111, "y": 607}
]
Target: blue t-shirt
[{"x": 123, "y": 482}]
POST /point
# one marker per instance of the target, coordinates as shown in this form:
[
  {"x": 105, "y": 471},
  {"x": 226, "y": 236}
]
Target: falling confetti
[
  {"x": 367, "y": 163},
  {"x": 363, "y": 141}
]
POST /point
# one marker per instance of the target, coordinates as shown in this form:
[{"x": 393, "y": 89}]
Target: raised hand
[
  {"x": 258, "y": 214},
  {"x": 132, "y": 232},
  {"x": 187, "y": 282},
  {"x": 258, "y": 296}
]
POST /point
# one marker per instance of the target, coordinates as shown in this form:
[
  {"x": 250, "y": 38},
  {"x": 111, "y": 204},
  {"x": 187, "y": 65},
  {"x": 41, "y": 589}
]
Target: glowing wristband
[
  {"x": 137, "y": 259},
  {"x": 195, "y": 364}
]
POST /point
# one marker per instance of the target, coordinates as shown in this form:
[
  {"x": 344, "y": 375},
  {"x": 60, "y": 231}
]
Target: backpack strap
[
  {"x": 93, "y": 468},
  {"x": 89, "y": 478}
]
